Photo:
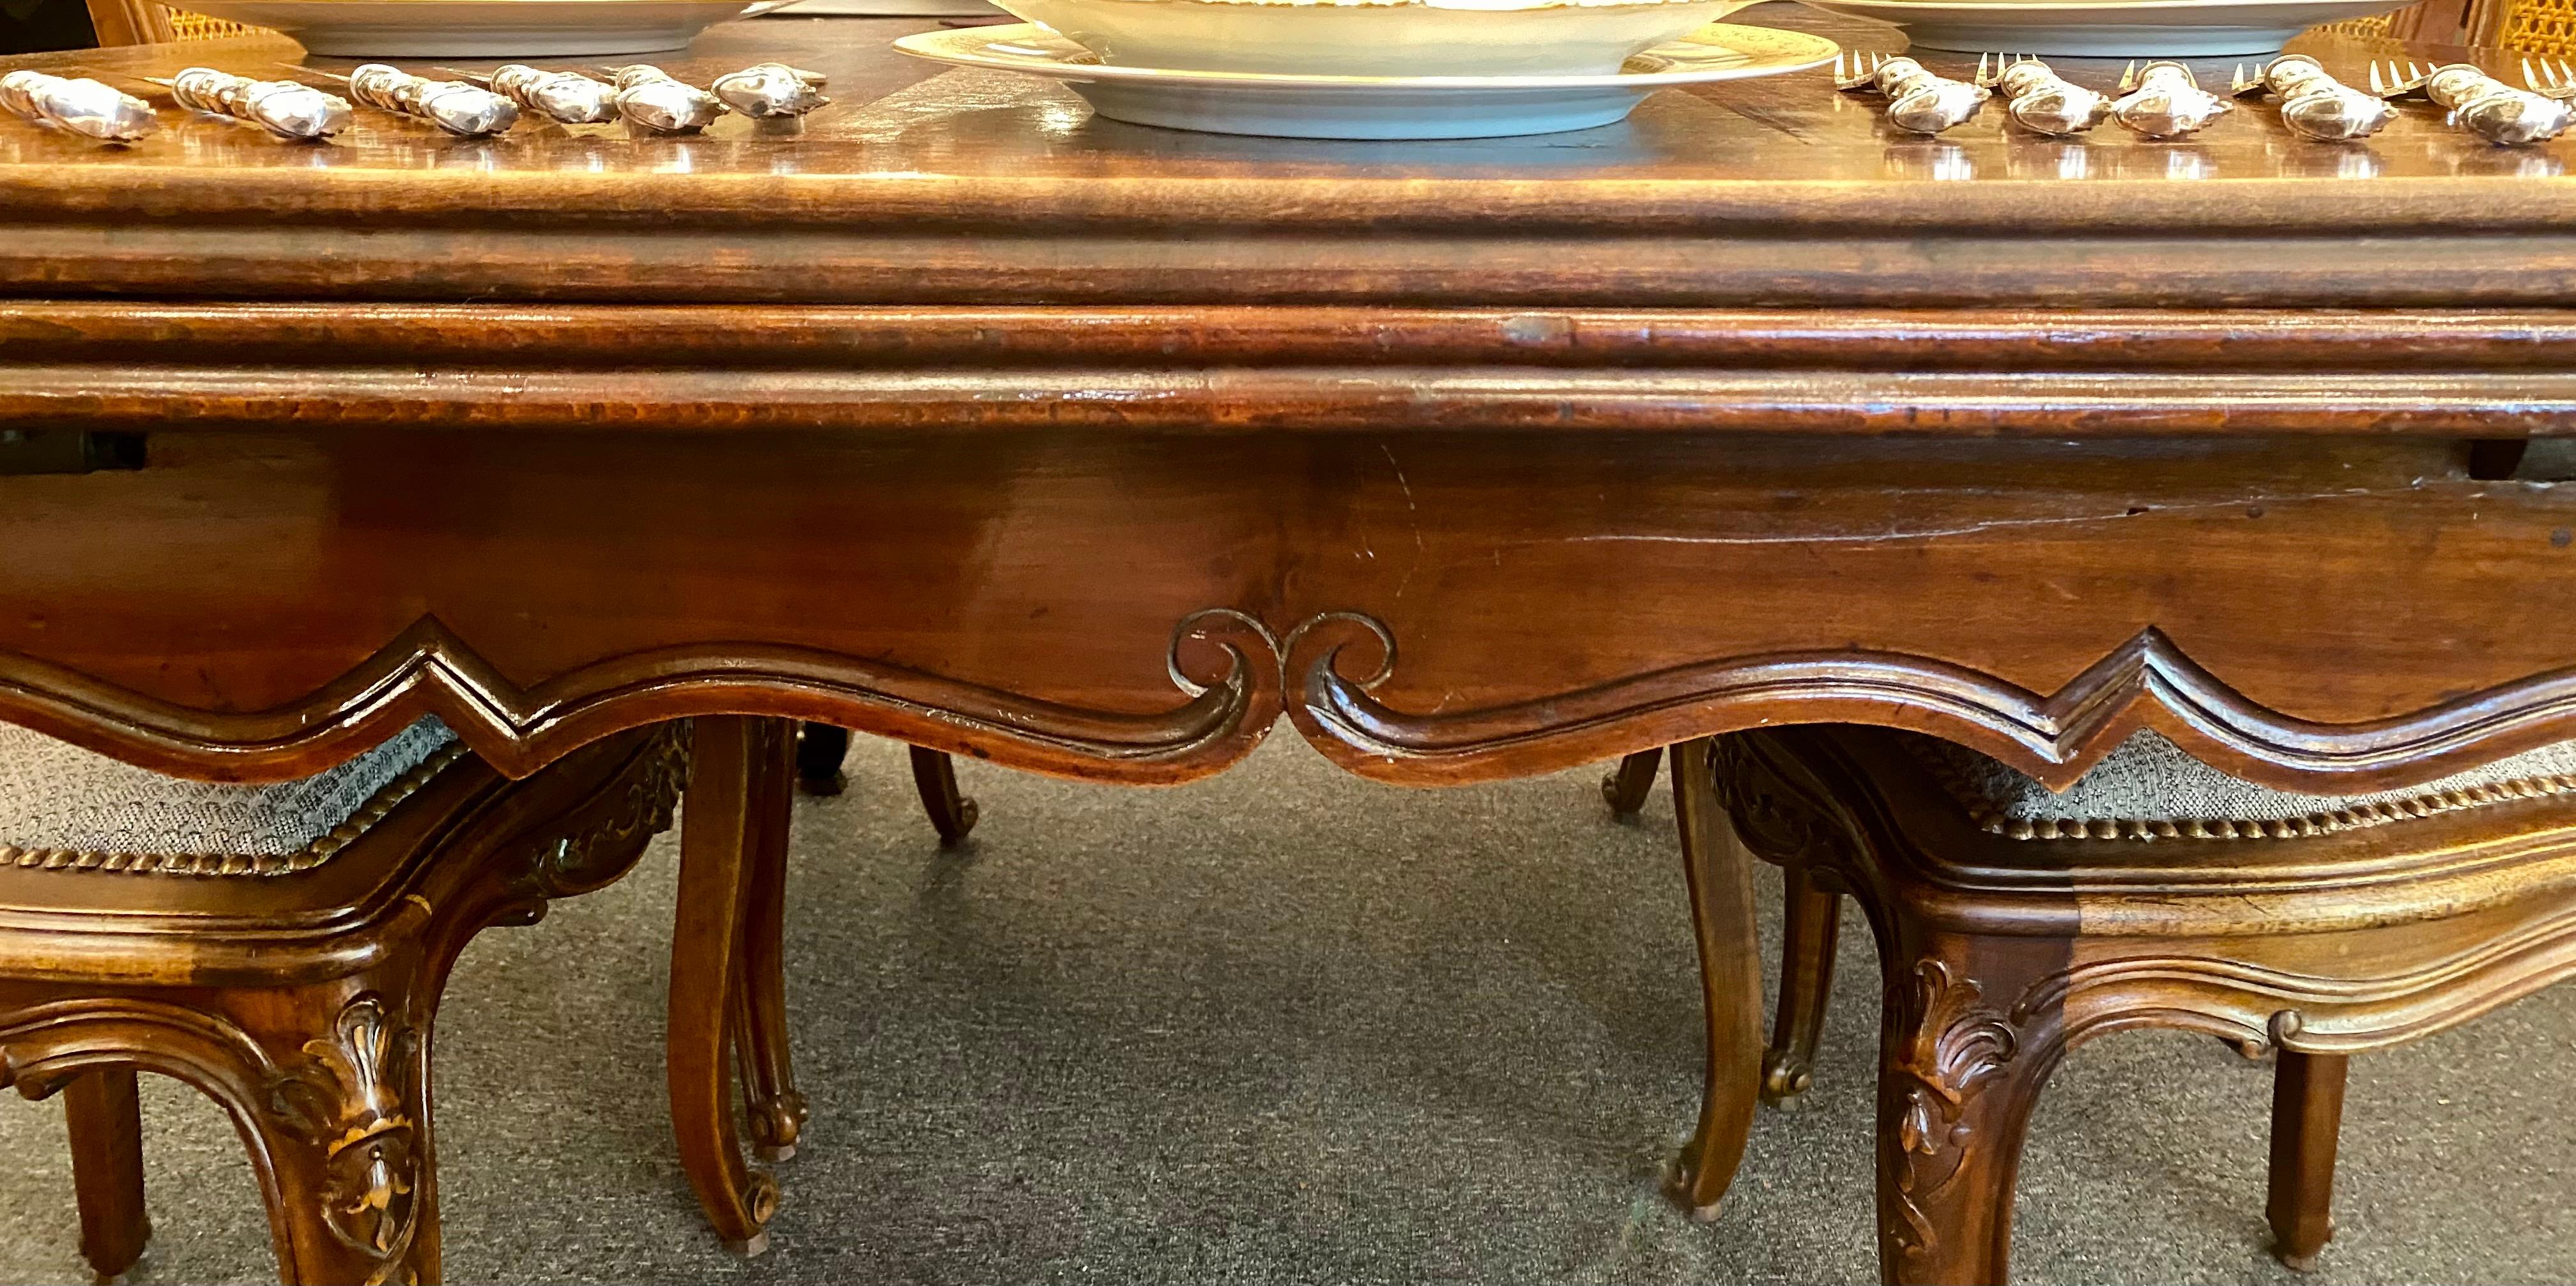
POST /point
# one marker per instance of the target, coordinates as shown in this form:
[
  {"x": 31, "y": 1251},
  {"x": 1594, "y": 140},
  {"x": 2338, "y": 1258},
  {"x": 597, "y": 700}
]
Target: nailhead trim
[
  {"x": 321, "y": 850},
  {"x": 1995, "y": 821}
]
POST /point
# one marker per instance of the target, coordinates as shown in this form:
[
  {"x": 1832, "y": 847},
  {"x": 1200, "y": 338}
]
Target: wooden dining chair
[
  {"x": 820, "y": 748},
  {"x": 282, "y": 948},
  {"x": 2520, "y": 26},
  {"x": 1811, "y": 923},
  {"x": 2014, "y": 923},
  {"x": 144, "y": 22}
]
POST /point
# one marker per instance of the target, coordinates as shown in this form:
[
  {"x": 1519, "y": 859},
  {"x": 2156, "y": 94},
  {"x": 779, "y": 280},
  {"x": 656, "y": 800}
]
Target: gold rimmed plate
[{"x": 1374, "y": 107}]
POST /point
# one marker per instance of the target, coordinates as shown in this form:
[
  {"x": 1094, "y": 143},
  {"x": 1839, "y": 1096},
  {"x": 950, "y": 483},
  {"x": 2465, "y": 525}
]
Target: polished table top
[
  {"x": 927, "y": 184},
  {"x": 898, "y": 119},
  {"x": 1270, "y": 268},
  {"x": 966, "y": 417}
]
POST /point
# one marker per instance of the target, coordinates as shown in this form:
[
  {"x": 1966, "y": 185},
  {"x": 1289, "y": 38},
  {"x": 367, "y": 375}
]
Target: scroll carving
[
  {"x": 604, "y": 844},
  {"x": 353, "y": 1096},
  {"x": 1226, "y": 662},
  {"x": 2259, "y": 1007},
  {"x": 1771, "y": 816},
  {"x": 1955, "y": 1045},
  {"x": 1237, "y": 675},
  {"x": 2147, "y": 681}
]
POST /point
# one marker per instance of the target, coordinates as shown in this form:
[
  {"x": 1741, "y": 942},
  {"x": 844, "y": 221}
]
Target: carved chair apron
[
  {"x": 282, "y": 948},
  {"x": 2013, "y": 923}
]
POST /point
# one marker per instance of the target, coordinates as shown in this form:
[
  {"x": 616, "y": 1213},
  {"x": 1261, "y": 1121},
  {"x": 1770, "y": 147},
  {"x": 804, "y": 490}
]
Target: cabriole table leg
[
  {"x": 742, "y": 771},
  {"x": 1720, "y": 875}
]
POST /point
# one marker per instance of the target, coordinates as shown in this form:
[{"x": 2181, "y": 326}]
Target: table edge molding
[
  {"x": 174, "y": 367},
  {"x": 1235, "y": 675}
]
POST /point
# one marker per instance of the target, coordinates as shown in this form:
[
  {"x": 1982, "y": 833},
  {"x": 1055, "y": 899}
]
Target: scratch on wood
[
  {"x": 1412, "y": 519},
  {"x": 1975, "y": 528}
]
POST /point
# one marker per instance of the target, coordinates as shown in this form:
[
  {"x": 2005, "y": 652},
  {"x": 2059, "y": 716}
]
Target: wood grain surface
[
  {"x": 966, "y": 418},
  {"x": 926, "y": 185}
]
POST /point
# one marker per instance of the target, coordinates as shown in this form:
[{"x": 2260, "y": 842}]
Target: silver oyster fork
[{"x": 2556, "y": 79}]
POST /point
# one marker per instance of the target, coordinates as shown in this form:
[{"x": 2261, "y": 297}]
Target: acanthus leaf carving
[
  {"x": 355, "y": 1095},
  {"x": 1954, "y": 1045}
]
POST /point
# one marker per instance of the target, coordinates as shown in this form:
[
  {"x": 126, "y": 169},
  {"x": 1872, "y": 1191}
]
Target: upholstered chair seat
[
  {"x": 2015, "y": 922},
  {"x": 65, "y": 807},
  {"x": 2149, "y": 789}
]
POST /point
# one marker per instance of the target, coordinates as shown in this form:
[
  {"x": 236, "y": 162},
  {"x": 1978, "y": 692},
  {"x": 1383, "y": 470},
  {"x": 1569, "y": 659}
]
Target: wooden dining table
[{"x": 963, "y": 416}]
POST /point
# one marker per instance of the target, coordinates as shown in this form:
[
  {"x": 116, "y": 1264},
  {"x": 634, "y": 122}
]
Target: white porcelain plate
[
  {"x": 1374, "y": 37},
  {"x": 2107, "y": 28},
  {"x": 892, "y": 9},
  {"x": 1374, "y": 107},
  {"x": 482, "y": 28}
]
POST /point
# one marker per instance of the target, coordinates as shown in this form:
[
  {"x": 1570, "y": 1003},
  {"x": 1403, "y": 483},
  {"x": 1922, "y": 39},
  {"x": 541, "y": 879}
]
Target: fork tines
[
  {"x": 1863, "y": 74},
  {"x": 2556, "y": 79},
  {"x": 1990, "y": 79},
  {"x": 2394, "y": 83}
]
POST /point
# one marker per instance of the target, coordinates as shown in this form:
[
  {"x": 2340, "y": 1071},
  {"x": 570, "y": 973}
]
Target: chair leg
[
  {"x": 2307, "y": 1119},
  {"x": 1624, "y": 789},
  {"x": 1813, "y": 924},
  {"x": 346, "y": 1141},
  {"x": 106, "y": 1127},
  {"x": 951, "y": 813},
  {"x": 327, "y": 1080},
  {"x": 740, "y": 776},
  {"x": 820, "y": 748},
  {"x": 1720, "y": 876},
  {"x": 1961, "y": 1063},
  {"x": 327, "y": 1084},
  {"x": 770, "y": 1101}
]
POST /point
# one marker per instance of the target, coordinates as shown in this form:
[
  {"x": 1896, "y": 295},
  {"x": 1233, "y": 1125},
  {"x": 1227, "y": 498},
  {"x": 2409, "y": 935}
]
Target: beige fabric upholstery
[
  {"x": 2150, "y": 789},
  {"x": 62, "y": 806}
]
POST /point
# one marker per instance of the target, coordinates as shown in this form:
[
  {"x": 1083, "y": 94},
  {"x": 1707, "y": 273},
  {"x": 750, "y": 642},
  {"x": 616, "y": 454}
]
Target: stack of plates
[
  {"x": 2107, "y": 28},
  {"x": 1374, "y": 69}
]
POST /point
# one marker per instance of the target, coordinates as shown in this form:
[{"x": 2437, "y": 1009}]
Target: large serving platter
[
  {"x": 2107, "y": 28},
  {"x": 1374, "y": 107},
  {"x": 482, "y": 28}
]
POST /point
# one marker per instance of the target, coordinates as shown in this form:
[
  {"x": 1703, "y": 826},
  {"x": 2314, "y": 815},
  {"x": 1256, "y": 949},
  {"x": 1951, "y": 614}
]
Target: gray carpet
[{"x": 1286, "y": 1025}]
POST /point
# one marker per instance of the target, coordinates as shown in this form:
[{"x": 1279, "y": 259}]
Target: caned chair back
[
  {"x": 145, "y": 22},
  {"x": 2517, "y": 26},
  {"x": 2529, "y": 26},
  {"x": 197, "y": 26}
]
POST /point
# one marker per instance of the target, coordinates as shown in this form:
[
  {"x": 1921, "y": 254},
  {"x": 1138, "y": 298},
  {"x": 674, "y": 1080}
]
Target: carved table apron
[
  {"x": 1426, "y": 607},
  {"x": 1093, "y": 449}
]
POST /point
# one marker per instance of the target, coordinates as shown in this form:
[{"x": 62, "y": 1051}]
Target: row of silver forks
[
  {"x": 648, "y": 99},
  {"x": 2535, "y": 112},
  {"x": 2163, "y": 100}
]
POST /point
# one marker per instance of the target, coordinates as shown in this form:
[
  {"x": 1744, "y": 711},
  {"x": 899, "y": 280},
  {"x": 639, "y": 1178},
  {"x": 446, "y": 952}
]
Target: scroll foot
[{"x": 1625, "y": 787}]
